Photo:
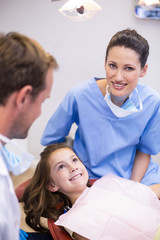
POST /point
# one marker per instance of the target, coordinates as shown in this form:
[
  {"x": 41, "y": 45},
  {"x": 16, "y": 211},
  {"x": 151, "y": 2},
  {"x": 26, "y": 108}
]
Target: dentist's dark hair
[{"x": 130, "y": 39}]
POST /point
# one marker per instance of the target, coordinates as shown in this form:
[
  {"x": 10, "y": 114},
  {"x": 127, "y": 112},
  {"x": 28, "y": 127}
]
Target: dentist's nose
[{"x": 119, "y": 75}]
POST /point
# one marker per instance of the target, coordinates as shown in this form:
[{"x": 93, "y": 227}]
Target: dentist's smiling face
[
  {"x": 123, "y": 69},
  {"x": 68, "y": 174}
]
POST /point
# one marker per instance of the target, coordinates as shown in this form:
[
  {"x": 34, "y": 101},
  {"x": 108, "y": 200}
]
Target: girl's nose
[{"x": 74, "y": 169}]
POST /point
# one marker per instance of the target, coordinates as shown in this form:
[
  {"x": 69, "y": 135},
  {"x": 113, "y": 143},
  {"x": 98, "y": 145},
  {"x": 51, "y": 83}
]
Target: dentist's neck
[{"x": 118, "y": 100}]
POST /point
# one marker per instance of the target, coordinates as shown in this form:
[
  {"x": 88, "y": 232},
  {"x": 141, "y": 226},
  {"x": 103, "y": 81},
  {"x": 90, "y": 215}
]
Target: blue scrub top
[{"x": 104, "y": 142}]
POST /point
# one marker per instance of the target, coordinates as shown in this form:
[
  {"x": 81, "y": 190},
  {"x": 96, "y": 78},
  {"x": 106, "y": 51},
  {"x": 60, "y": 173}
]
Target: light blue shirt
[{"x": 104, "y": 142}]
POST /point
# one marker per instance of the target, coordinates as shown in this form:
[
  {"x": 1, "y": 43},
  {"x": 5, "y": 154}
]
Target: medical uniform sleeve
[
  {"x": 150, "y": 139},
  {"x": 60, "y": 123}
]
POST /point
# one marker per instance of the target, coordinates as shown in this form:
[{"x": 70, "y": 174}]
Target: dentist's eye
[
  {"x": 112, "y": 66},
  {"x": 129, "y": 69}
]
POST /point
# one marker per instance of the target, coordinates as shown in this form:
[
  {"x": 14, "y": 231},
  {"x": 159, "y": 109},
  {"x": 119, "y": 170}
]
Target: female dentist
[{"x": 118, "y": 118}]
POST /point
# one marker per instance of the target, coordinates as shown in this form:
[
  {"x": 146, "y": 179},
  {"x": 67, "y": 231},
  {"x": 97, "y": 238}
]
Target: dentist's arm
[{"x": 140, "y": 166}]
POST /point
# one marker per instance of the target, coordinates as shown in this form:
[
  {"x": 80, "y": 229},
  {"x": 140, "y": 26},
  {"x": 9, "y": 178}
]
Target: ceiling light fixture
[{"x": 80, "y": 10}]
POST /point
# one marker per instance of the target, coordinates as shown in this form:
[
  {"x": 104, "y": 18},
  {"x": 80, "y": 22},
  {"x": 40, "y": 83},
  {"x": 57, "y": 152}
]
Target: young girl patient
[{"x": 113, "y": 208}]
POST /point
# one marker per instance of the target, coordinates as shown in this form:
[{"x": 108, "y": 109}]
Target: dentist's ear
[
  {"x": 52, "y": 187},
  {"x": 144, "y": 71}
]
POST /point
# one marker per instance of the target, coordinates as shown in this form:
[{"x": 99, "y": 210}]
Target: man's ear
[
  {"x": 52, "y": 187},
  {"x": 144, "y": 71},
  {"x": 23, "y": 96}
]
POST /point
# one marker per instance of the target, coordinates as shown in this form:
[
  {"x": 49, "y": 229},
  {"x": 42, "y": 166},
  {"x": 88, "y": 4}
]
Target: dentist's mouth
[
  {"x": 76, "y": 176},
  {"x": 119, "y": 86}
]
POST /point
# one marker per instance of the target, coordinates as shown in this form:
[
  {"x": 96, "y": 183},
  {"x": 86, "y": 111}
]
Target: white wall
[{"x": 79, "y": 47}]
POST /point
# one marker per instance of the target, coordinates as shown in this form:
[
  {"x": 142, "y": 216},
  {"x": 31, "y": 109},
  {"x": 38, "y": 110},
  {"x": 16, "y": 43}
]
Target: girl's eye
[
  {"x": 61, "y": 166},
  {"x": 75, "y": 159},
  {"x": 112, "y": 66}
]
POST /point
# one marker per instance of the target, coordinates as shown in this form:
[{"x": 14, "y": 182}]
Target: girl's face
[
  {"x": 123, "y": 69},
  {"x": 67, "y": 173}
]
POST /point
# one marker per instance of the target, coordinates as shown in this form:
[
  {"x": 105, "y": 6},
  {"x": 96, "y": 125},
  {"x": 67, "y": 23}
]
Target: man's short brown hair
[{"x": 22, "y": 62}]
